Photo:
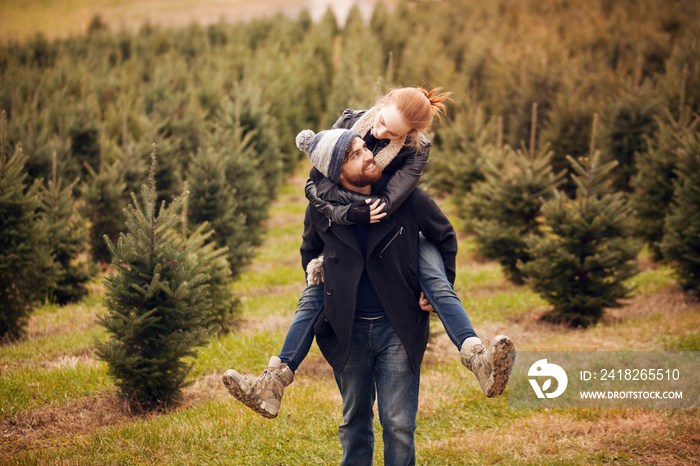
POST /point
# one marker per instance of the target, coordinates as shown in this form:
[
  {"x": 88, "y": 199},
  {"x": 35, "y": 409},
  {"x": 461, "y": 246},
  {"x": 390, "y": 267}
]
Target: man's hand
[
  {"x": 376, "y": 211},
  {"x": 424, "y": 304}
]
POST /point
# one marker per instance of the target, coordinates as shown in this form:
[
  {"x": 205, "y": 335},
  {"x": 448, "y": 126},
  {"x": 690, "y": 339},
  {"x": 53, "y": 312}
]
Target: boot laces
[
  {"x": 480, "y": 348},
  {"x": 268, "y": 375}
]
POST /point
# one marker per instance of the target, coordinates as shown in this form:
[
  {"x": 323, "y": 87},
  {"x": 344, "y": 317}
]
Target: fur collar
[{"x": 387, "y": 154}]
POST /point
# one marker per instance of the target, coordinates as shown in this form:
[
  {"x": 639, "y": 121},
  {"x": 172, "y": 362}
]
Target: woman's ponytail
[
  {"x": 418, "y": 106},
  {"x": 436, "y": 99}
]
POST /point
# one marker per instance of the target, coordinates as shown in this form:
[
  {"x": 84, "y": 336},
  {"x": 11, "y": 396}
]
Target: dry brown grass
[
  {"x": 51, "y": 427},
  {"x": 654, "y": 437},
  {"x": 640, "y": 324},
  {"x": 58, "y": 426}
]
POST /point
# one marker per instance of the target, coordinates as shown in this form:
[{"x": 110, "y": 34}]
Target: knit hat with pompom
[{"x": 326, "y": 149}]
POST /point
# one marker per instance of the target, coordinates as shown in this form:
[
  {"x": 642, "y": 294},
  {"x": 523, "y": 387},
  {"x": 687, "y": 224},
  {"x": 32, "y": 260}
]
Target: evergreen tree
[
  {"x": 225, "y": 306},
  {"x": 568, "y": 132},
  {"x": 103, "y": 194},
  {"x": 27, "y": 270},
  {"x": 506, "y": 205},
  {"x": 504, "y": 208},
  {"x": 632, "y": 122},
  {"x": 581, "y": 260},
  {"x": 229, "y": 192},
  {"x": 359, "y": 65},
  {"x": 215, "y": 200},
  {"x": 656, "y": 174},
  {"x": 681, "y": 242},
  {"x": 457, "y": 154},
  {"x": 68, "y": 238},
  {"x": 132, "y": 165},
  {"x": 84, "y": 136},
  {"x": 157, "y": 301},
  {"x": 247, "y": 125}
]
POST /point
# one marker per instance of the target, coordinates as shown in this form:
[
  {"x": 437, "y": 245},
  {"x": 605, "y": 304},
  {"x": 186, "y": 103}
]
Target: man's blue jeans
[
  {"x": 437, "y": 289},
  {"x": 378, "y": 368}
]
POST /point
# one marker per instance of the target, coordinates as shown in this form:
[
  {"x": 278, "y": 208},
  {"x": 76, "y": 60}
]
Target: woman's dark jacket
[
  {"x": 392, "y": 263},
  {"x": 335, "y": 201}
]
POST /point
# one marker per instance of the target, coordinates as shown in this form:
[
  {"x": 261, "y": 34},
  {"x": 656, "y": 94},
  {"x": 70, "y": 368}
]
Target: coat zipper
[{"x": 390, "y": 241}]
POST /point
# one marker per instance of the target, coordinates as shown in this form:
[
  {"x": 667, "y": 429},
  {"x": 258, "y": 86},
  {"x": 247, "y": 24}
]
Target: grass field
[{"x": 58, "y": 406}]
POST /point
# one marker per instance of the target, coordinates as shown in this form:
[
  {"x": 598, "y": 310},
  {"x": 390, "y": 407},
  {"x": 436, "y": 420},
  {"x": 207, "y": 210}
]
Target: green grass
[
  {"x": 687, "y": 342},
  {"x": 651, "y": 281},
  {"x": 31, "y": 388},
  {"x": 53, "y": 373},
  {"x": 274, "y": 276}
]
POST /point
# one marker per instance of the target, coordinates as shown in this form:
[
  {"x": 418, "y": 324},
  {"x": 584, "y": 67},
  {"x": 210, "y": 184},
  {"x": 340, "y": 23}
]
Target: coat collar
[{"x": 347, "y": 234}]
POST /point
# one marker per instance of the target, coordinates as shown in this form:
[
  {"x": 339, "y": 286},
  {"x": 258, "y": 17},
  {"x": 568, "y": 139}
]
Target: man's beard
[{"x": 362, "y": 179}]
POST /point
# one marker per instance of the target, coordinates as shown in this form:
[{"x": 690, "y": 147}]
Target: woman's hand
[
  {"x": 376, "y": 211},
  {"x": 424, "y": 304}
]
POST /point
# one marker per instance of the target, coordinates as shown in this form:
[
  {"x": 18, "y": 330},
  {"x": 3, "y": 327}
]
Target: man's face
[{"x": 359, "y": 170}]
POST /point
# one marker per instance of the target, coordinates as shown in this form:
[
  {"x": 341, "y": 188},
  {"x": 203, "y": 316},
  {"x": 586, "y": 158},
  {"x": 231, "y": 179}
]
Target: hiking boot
[
  {"x": 490, "y": 363},
  {"x": 263, "y": 394}
]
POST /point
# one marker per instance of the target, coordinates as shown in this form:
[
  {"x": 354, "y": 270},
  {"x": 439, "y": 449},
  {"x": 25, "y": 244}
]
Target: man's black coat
[{"x": 392, "y": 263}]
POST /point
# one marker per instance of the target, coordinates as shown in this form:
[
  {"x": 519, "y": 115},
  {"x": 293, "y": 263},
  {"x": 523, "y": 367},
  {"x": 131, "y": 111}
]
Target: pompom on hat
[{"x": 326, "y": 149}]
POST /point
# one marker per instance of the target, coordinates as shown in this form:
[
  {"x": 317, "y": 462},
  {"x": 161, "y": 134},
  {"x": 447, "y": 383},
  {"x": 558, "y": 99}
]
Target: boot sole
[
  {"x": 251, "y": 401},
  {"x": 503, "y": 359}
]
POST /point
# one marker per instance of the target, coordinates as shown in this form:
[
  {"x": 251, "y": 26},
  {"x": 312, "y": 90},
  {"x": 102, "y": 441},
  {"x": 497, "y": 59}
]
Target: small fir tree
[
  {"x": 103, "y": 193},
  {"x": 656, "y": 174},
  {"x": 68, "y": 238},
  {"x": 681, "y": 242},
  {"x": 225, "y": 307},
  {"x": 157, "y": 301},
  {"x": 581, "y": 261},
  {"x": 458, "y": 152},
  {"x": 229, "y": 190},
  {"x": 632, "y": 122},
  {"x": 215, "y": 200},
  {"x": 568, "y": 131},
  {"x": 214, "y": 260},
  {"x": 506, "y": 205},
  {"x": 27, "y": 269}
]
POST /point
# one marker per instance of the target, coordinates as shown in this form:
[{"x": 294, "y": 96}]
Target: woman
[{"x": 394, "y": 131}]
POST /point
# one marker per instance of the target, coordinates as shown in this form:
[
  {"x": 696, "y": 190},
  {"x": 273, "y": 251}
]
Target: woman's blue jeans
[
  {"x": 437, "y": 289},
  {"x": 378, "y": 367}
]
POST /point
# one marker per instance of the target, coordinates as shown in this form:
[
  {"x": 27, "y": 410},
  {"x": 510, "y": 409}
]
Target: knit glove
[{"x": 359, "y": 212}]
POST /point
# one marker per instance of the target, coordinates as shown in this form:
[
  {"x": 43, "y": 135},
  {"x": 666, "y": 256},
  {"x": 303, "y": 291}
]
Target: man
[{"x": 372, "y": 330}]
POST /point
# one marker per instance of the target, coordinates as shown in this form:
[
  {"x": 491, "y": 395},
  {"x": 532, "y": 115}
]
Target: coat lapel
[
  {"x": 377, "y": 232},
  {"x": 346, "y": 233}
]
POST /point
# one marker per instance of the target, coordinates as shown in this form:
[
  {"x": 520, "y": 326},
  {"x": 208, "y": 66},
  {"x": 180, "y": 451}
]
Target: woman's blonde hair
[{"x": 418, "y": 106}]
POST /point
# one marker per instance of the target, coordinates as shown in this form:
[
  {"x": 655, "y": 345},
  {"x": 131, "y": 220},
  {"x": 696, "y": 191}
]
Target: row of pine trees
[{"x": 571, "y": 142}]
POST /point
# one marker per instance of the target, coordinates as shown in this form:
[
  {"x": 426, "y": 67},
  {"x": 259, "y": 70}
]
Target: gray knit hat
[{"x": 326, "y": 149}]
